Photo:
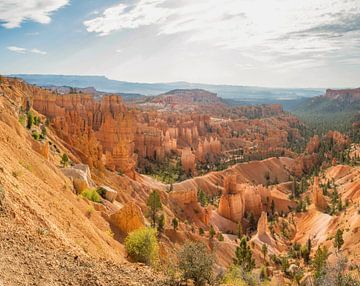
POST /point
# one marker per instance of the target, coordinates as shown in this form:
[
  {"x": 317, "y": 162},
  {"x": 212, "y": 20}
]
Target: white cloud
[
  {"x": 14, "y": 12},
  {"x": 121, "y": 16},
  {"x": 37, "y": 51},
  {"x": 17, "y": 49},
  {"x": 261, "y": 29},
  {"x": 24, "y": 50}
]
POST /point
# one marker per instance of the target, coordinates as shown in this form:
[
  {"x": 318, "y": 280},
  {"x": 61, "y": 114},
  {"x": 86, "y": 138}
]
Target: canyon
[{"x": 117, "y": 146}]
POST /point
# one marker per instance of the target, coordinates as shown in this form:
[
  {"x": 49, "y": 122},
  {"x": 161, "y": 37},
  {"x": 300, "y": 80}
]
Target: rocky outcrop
[
  {"x": 232, "y": 203},
  {"x": 262, "y": 226},
  {"x": 318, "y": 196},
  {"x": 128, "y": 218},
  {"x": 41, "y": 148},
  {"x": 349, "y": 94},
  {"x": 80, "y": 176},
  {"x": 109, "y": 193},
  {"x": 184, "y": 196},
  {"x": 188, "y": 161},
  {"x": 100, "y": 132}
]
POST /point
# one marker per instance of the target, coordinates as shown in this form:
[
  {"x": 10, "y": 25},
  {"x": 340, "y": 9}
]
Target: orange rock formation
[
  {"x": 101, "y": 133},
  {"x": 318, "y": 197}
]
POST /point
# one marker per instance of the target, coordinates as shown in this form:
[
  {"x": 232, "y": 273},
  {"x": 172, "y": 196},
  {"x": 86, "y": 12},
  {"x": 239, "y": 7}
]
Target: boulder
[
  {"x": 80, "y": 175},
  {"x": 109, "y": 193},
  {"x": 128, "y": 218}
]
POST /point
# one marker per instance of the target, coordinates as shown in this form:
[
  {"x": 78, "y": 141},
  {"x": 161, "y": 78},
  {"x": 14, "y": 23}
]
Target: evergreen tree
[
  {"x": 243, "y": 255},
  {"x": 272, "y": 207},
  {"x": 30, "y": 120},
  {"x": 320, "y": 261},
  {"x": 154, "y": 205},
  {"x": 202, "y": 198},
  {"x": 161, "y": 223},
  {"x": 338, "y": 239},
  {"x": 264, "y": 250},
  {"x": 175, "y": 223},
  {"x": 212, "y": 232}
]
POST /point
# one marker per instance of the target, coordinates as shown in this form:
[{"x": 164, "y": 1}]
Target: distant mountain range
[
  {"x": 237, "y": 94},
  {"x": 336, "y": 109}
]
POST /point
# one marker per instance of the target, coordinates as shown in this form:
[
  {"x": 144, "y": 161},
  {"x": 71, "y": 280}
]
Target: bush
[
  {"x": 142, "y": 245},
  {"x": 92, "y": 195},
  {"x": 35, "y": 135},
  {"x": 196, "y": 263}
]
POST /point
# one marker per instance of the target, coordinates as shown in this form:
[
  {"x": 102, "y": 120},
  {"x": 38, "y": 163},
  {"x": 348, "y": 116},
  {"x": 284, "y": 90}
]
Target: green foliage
[
  {"x": 154, "y": 206},
  {"x": 201, "y": 231},
  {"x": 142, "y": 245},
  {"x": 64, "y": 160},
  {"x": 161, "y": 223},
  {"x": 320, "y": 261},
  {"x": 306, "y": 251},
  {"x": 202, "y": 198},
  {"x": 239, "y": 231},
  {"x": 35, "y": 135},
  {"x": 234, "y": 276},
  {"x": 166, "y": 171},
  {"x": 37, "y": 120},
  {"x": 196, "y": 263},
  {"x": 237, "y": 276},
  {"x": 264, "y": 250},
  {"x": 43, "y": 132},
  {"x": 30, "y": 120},
  {"x": 92, "y": 195},
  {"x": 22, "y": 119},
  {"x": 263, "y": 273},
  {"x": 252, "y": 221},
  {"x": 295, "y": 251},
  {"x": 220, "y": 237},
  {"x": 175, "y": 223},
  {"x": 243, "y": 255},
  {"x": 212, "y": 232},
  {"x": 338, "y": 239}
]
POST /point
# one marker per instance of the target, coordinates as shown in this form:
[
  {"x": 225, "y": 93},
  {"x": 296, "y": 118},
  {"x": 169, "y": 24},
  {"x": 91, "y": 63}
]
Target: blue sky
[{"x": 279, "y": 43}]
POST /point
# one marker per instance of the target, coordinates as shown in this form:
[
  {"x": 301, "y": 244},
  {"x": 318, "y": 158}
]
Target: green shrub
[
  {"x": 30, "y": 120},
  {"x": 220, "y": 237},
  {"x": 142, "y": 245},
  {"x": 22, "y": 119},
  {"x": 92, "y": 195},
  {"x": 196, "y": 263},
  {"x": 35, "y": 135}
]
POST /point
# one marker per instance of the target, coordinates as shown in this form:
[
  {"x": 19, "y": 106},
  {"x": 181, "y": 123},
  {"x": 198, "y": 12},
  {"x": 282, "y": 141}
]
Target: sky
[{"x": 274, "y": 43}]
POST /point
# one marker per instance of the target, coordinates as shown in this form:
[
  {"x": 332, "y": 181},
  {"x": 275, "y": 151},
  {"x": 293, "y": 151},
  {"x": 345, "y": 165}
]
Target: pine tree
[
  {"x": 320, "y": 261},
  {"x": 30, "y": 120},
  {"x": 154, "y": 205},
  {"x": 243, "y": 255},
  {"x": 338, "y": 239}
]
